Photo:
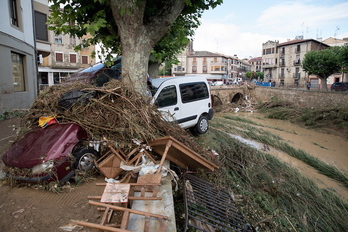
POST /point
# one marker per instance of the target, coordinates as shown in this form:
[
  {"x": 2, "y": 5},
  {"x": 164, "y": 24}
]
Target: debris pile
[{"x": 112, "y": 112}]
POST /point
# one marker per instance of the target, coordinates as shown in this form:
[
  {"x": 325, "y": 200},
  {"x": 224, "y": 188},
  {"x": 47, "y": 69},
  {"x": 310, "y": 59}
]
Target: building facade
[
  {"x": 214, "y": 66},
  {"x": 18, "y": 77},
  {"x": 256, "y": 64},
  {"x": 63, "y": 60},
  {"x": 281, "y": 62}
]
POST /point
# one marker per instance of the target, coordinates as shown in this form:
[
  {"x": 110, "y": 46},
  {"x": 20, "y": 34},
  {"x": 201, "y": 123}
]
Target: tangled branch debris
[{"x": 116, "y": 113}]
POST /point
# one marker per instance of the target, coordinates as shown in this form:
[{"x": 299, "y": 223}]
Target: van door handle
[{"x": 176, "y": 108}]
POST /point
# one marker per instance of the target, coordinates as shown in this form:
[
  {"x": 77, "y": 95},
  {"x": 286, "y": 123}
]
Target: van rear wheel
[{"x": 202, "y": 125}]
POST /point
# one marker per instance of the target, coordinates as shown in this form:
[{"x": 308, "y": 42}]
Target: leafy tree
[
  {"x": 249, "y": 75},
  {"x": 174, "y": 42},
  {"x": 133, "y": 27},
  {"x": 343, "y": 58},
  {"x": 322, "y": 63},
  {"x": 260, "y": 74}
]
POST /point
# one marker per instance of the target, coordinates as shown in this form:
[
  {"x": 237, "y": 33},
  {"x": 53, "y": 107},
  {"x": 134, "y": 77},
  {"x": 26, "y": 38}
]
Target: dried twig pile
[{"x": 114, "y": 113}]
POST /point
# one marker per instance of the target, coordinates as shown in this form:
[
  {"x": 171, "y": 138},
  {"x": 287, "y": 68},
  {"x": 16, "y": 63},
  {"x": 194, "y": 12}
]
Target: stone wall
[{"x": 302, "y": 98}]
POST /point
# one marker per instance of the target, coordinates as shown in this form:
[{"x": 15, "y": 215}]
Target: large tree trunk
[
  {"x": 323, "y": 83},
  {"x": 138, "y": 38},
  {"x": 153, "y": 69}
]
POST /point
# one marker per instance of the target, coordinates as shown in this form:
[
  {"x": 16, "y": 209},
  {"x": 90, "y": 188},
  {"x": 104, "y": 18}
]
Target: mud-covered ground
[{"x": 32, "y": 209}]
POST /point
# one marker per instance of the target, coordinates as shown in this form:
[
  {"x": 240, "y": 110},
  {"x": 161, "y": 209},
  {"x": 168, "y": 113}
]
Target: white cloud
[
  {"x": 278, "y": 22},
  {"x": 296, "y": 17},
  {"x": 229, "y": 40}
]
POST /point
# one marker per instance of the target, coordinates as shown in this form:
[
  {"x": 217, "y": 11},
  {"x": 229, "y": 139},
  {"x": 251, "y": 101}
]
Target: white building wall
[{"x": 19, "y": 40}]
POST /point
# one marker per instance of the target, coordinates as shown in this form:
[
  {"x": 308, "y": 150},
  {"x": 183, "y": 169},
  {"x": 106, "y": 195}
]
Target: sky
[{"x": 241, "y": 27}]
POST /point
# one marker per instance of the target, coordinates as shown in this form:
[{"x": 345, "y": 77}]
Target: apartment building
[
  {"x": 281, "y": 62},
  {"x": 18, "y": 82},
  {"x": 214, "y": 66},
  {"x": 63, "y": 60},
  {"x": 256, "y": 64}
]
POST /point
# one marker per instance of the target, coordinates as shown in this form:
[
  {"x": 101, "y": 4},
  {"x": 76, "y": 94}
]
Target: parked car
[
  {"x": 99, "y": 73},
  {"x": 193, "y": 112},
  {"x": 339, "y": 86},
  {"x": 51, "y": 153},
  {"x": 186, "y": 100}
]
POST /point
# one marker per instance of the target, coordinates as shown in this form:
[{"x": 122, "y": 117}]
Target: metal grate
[{"x": 209, "y": 208}]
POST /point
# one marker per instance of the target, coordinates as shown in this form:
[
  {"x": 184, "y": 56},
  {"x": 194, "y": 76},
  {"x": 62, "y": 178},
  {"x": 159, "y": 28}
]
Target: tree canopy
[
  {"x": 131, "y": 28},
  {"x": 322, "y": 63}
]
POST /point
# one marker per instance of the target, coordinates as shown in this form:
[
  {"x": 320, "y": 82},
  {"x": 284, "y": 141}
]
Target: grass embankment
[
  {"x": 330, "y": 120},
  {"x": 246, "y": 129},
  {"x": 276, "y": 197}
]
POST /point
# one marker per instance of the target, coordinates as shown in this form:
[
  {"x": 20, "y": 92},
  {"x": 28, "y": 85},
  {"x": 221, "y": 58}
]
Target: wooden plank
[
  {"x": 181, "y": 154},
  {"x": 125, "y": 219},
  {"x": 164, "y": 155},
  {"x": 115, "y": 193},
  {"x": 153, "y": 198},
  {"x": 100, "y": 227},
  {"x": 127, "y": 209}
]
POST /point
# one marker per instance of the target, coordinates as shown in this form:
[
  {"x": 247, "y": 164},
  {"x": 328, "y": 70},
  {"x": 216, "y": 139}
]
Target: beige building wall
[{"x": 270, "y": 60}]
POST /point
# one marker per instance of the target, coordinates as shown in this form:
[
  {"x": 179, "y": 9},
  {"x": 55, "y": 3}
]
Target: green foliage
[
  {"x": 343, "y": 57},
  {"x": 321, "y": 63},
  {"x": 11, "y": 114},
  {"x": 254, "y": 75},
  {"x": 96, "y": 22}
]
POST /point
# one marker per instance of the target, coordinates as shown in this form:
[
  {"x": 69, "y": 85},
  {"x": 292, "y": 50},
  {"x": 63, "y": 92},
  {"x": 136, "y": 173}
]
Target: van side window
[
  {"x": 167, "y": 97},
  {"x": 193, "y": 92}
]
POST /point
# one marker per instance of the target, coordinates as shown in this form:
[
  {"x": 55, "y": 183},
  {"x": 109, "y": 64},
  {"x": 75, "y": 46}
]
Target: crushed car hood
[{"x": 51, "y": 143}]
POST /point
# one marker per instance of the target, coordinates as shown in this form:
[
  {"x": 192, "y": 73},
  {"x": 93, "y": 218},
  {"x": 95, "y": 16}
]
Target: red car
[{"x": 50, "y": 153}]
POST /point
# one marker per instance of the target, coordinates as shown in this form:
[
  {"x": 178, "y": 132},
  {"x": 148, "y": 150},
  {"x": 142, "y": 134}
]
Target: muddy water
[{"x": 330, "y": 149}]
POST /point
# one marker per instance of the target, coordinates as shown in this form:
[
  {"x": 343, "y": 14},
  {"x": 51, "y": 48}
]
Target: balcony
[
  {"x": 282, "y": 64},
  {"x": 297, "y": 62},
  {"x": 268, "y": 65},
  {"x": 296, "y": 75},
  {"x": 222, "y": 72}
]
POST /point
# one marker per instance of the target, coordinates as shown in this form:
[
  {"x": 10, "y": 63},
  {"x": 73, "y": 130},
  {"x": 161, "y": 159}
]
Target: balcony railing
[
  {"x": 282, "y": 64},
  {"x": 297, "y": 62},
  {"x": 296, "y": 75}
]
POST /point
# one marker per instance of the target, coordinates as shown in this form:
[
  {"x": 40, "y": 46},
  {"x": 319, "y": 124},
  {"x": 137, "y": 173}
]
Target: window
[
  {"x": 58, "y": 39},
  {"x": 205, "y": 69},
  {"x": 41, "y": 26},
  {"x": 59, "y": 57},
  {"x": 18, "y": 72},
  {"x": 167, "y": 97},
  {"x": 193, "y": 92},
  {"x": 84, "y": 59},
  {"x": 298, "y": 49},
  {"x": 194, "y": 69},
  {"x": 73, "y": 58},
  {"x": 72, "y": 40},
  {"x": 13, "y": 12}
]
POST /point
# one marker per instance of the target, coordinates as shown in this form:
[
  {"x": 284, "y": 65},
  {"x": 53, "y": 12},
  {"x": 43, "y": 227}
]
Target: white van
[{"x": 186, "y": 100}]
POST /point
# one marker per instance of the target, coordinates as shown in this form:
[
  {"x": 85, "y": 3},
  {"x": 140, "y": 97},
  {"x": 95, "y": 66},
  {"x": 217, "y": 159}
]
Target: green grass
[
  {"x": 265, "y": 137},
  {"x": 275, "y": 196},
  {"x": 331, "y": 120}
]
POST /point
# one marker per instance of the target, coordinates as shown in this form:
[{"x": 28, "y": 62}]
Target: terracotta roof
[
  {"x": 204, "y": 53},
  {"x": 255, "y": 59},
  {"x": 295, "y": 41}
]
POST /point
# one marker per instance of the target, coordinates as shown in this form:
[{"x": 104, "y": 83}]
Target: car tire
[
  {"x": 202, "y": 125},
  {"x": 84, "y": 159}
]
